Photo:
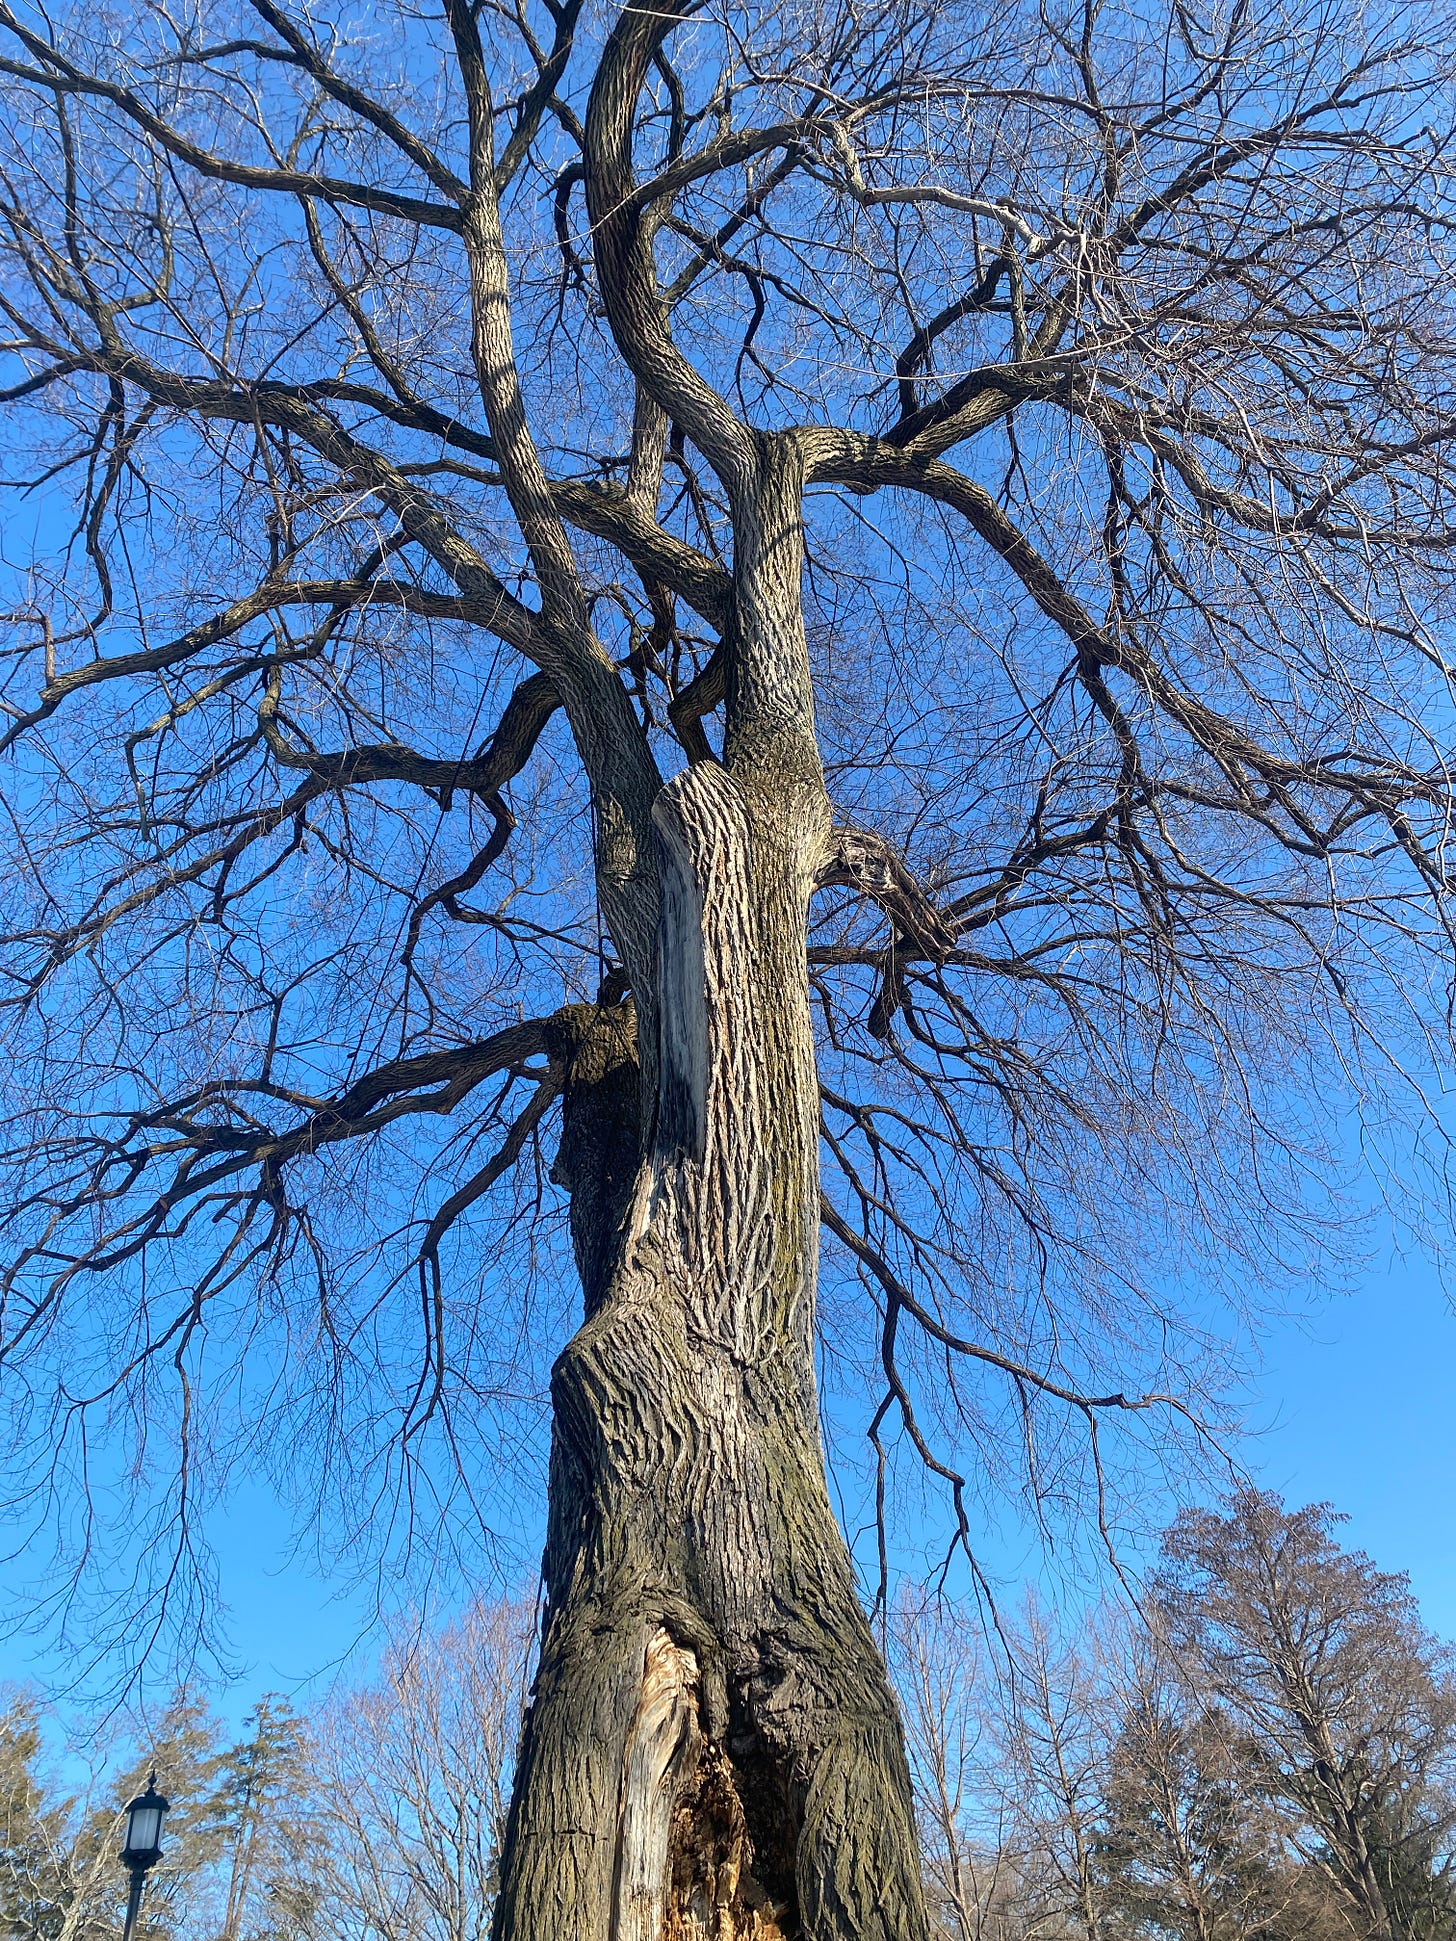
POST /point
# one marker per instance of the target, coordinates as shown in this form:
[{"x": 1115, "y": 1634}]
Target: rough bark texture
[
  {"x": 713, "y": 1751},
  {"x": 595, "y": 1046}
]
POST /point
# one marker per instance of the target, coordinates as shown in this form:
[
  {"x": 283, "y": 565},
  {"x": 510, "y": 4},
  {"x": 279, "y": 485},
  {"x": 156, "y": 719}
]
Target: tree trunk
[{"x": 713, "y": 1751}]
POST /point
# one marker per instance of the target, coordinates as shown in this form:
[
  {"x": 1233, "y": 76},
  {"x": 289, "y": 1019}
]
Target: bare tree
[
  {"x": 409, "y": 1783},
  {"x": 963, "y": 1791},
  {"x": 1010, "y": 1750},
  {"x": 1270, "y": 1756},
  {"x": 531, "y": 499},
  {"x": 1055, "y": 1730}
]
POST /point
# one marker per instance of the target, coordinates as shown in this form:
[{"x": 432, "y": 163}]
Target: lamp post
[{"x": 142, "y": 1848}]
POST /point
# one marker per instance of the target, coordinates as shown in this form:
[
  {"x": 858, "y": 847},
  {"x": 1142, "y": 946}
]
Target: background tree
[
  {"x": 1054, "y": 1731},
  {"x": 379, "y": 1811},
  {"x": 1106, "y": 1786},
  {"x": 37, "y": 1884},
  {"x": 186, "y": 1749},
  {"x": 1178, "y": 1778},
  {"x": 263, "y": 1780},
  {"x": 500, "y": 561},
  {"x": 409, "y": 1783},
  {"x": 1010, "y": 1749},
  {"x": 1189, "y": 1843},
  {"x": 1349, "y": 1701},
  {"x": 965, "y": 1793},
  {"x": 65, "y": 1795}
]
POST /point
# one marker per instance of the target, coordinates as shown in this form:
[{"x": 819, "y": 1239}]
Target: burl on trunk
[{"x": 713, "y": 1750}]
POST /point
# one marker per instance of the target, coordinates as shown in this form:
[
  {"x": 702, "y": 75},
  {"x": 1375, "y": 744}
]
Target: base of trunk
[{"x": 713, "y": 1752}]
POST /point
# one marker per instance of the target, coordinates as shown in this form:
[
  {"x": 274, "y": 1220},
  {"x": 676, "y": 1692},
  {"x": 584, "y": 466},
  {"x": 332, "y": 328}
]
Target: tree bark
[{"x": 713, "y": 1751}]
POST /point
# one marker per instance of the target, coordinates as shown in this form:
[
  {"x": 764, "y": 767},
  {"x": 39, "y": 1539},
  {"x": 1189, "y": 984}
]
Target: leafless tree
[
  {"x": 1009, "y": 1750},
  {"x": 729, "y": 590},
  {"x": 961, "y": 1785},
  {"x": 1091, "y": 1779},
  {"x": 1055, "y": 1716},
  {"x": 409, "y": 1783}
]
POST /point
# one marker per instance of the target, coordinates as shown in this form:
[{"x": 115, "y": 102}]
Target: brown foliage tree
[
  {"x": 829, "y": 582},
  {"x": 1190, "y": 1844},
  {"x": 1347, "y": 1699}
]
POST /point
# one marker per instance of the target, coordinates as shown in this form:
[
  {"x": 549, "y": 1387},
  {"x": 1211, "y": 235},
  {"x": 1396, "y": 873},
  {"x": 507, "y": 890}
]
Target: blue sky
[
  {"x": 1355, "y": 1404},
  {"x": 1358, "y": 1406},
  {"x": 1352, "y": 1405}
]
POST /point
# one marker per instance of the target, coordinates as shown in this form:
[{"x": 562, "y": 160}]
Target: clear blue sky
[
  {"x": 1356, "y": 1405},
  {"x": 1359, "y": 1408}
]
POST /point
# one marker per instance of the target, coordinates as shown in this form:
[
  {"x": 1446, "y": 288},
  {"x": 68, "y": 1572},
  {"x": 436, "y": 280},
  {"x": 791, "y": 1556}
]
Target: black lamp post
[{"x": 143, "y": 1847}]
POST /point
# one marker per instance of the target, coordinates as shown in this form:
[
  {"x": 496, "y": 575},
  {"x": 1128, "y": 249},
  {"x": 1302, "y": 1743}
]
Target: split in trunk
[{"x": 713, "y": 1750}]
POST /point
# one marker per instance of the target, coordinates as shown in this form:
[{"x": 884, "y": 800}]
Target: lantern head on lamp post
[{"x": 142, "y": 1848}]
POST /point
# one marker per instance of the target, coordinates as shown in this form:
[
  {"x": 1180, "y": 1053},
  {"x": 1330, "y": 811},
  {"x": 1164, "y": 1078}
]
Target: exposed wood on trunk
[
  {"x": 1170, "y": 721},
  {"x": 714, "y": 1893},
  {"x": 685, "y": 1853},
  {"x": 662, "y": 1748}
]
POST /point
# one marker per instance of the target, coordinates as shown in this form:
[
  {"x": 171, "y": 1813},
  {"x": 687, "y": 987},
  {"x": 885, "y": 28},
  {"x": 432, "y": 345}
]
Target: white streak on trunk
[
  {"x": 681, "y": 986},
  {"x": 661, "y": 1752}
]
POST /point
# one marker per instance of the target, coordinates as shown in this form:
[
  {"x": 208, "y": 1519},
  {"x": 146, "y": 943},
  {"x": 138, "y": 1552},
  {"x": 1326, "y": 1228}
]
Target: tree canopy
[{"x": 392, "y": 401}]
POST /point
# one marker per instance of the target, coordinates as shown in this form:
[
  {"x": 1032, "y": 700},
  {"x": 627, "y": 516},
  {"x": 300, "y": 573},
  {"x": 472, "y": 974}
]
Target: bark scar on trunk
[
  {"x": 681, "y": 975},
  {"x": 714, "y": 1894},
  {"x": 662, "y": 1744},
  {"x": 684, "y": 1853}
]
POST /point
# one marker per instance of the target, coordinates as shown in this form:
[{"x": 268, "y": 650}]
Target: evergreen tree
[
  {"x": 1189, "y": 1848},
  {"x": 61, "y": 1877},
  {"x": 265, "y": 1859},
  {"x": 185, "y": 1752},
  {"x": 35, "y": 1887}
]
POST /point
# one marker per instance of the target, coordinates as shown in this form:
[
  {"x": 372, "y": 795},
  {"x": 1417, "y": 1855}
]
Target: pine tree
[
  {"x": 186, "y": 1754},
  {"x": 265, "y": 1862},
  {"x": 35, "y": 1887},
  {"x": 1188, "y": 1847}
]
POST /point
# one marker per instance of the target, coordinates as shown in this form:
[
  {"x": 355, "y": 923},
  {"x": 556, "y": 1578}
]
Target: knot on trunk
[{"x": 859, "y": 859}]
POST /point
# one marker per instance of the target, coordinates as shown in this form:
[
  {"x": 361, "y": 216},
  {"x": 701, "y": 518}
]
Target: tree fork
[{"x": 713, "y": 1752}]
